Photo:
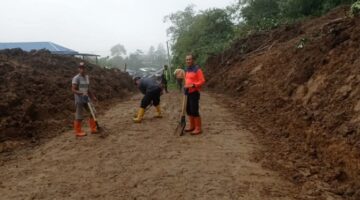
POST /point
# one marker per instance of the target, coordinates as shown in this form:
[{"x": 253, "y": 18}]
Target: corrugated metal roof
[{"x": 28, "y": 46}]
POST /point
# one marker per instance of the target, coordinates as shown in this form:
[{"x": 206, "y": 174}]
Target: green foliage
[
  {"x": 203, "y": 34},
  {"x": 294, "y": 9},
  {"x": 155, "y": 58},
  {"x": 181, "y": 21},
  {"x": 267, "y": 14},
  {"x": 261, "y": 14},
  {"x": 211, "y": 31},
  {"x": 355, "y": 9}
]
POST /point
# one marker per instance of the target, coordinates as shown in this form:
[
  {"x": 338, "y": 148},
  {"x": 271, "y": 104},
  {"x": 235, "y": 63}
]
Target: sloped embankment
[
  {"x": 298, "y": 86},
  {"x": 36, "y": 98}
]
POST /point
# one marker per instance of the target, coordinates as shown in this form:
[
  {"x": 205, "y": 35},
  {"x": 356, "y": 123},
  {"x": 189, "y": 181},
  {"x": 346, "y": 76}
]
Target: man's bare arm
[{"x": 74, "y": 89}]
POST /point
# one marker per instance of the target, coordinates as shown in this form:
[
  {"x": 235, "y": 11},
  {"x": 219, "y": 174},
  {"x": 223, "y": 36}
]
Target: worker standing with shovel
[
  {"x": 194, "y": 79},
  {"x": 80, "y": 88},
  {"x": 152, "y": 92}
]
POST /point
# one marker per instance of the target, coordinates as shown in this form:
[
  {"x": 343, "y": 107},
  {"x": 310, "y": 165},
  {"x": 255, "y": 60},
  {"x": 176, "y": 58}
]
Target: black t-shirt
[{"x": 148, "y": 85}]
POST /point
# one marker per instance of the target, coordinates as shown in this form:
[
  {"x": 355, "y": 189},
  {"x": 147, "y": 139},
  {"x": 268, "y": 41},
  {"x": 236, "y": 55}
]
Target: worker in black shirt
[{"x": 152, "y": 91}]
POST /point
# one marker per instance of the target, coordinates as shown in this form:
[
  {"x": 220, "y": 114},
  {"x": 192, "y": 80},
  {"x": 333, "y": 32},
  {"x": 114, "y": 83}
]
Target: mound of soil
[
  {"x": 36, "y": 99},
  {"x": 298, "y": 86}
]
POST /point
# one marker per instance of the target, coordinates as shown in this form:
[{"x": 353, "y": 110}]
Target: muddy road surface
[{"x": 146, "y": 161}]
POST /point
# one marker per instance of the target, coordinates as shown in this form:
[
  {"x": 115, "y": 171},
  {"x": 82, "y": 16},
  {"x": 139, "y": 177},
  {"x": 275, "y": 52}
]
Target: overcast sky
[{"x": 92, "y": 26}]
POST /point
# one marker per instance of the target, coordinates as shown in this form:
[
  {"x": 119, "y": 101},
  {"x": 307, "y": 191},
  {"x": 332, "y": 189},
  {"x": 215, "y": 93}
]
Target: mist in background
[{"x": 93, "y": 26}]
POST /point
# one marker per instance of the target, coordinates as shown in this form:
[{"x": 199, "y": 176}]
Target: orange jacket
[{"x": 194, "y": 75}]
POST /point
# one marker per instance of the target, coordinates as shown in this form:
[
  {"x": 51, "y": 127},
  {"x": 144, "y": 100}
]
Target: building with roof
[{"x": 50, "y": 46}]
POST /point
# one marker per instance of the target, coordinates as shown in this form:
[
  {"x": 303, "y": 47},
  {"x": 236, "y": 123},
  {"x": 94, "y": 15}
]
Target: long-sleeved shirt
[{"x": 195, "y": 76}]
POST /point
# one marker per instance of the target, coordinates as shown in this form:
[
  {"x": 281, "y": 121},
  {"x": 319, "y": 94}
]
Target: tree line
[
  {"x": 153, "y": 58},
  {"x": 208, "y": 32}
]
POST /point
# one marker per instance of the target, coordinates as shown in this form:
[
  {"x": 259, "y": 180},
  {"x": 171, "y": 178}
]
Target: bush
[{"x": 355, "y": 9}]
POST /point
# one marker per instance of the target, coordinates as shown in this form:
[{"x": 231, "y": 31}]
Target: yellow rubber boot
[
  {"x": 158, "y": 112},
  {"x": 140, "y": 115}
]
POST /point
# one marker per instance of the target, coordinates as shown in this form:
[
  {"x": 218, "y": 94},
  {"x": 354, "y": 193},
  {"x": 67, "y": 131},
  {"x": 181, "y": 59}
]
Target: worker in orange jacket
[{"x": 194, "y": 79}]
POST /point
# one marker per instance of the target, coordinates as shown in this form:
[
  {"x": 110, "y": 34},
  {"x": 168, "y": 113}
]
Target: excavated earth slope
[
  {"x": 298, "y": 87},
  {"x": 36, "y": 99}
]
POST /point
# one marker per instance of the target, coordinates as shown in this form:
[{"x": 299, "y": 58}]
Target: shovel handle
[
  {"x": 92, "y": 111},
  {"x": 184, "y": 105}
]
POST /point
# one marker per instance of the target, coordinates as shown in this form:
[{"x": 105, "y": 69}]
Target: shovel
[
  {"x": 181, "y": 126},
  {"x": 93, "y": 114}
]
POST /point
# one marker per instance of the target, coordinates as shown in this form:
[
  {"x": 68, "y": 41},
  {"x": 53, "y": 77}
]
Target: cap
[{"x": 82, "y": 65}]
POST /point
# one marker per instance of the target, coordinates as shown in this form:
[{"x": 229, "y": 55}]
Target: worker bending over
[{"x": 152, "y": 91}]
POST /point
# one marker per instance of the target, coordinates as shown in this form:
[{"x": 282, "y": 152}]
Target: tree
[
  {"x": 355, "y": 9},
  {"x": 181, "y": 21},
  {"x": 161, "y": 56},
  {"x": 117, "y": 62},
  {"x": 118, "y": 50},
  {"x": 136, "y": 60},
  {"x": 104, "y": 61},
  {"x": 154, "y": 58},
  {"x": 151, "y": 56},
  {"x": 206, "y": 33},
  {"x": 266, "y": 14},
  {"x": 260, "y": 14}
]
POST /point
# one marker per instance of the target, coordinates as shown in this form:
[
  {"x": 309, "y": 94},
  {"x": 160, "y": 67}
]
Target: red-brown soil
[
  {"x": 36, "y": 99},
  {"x": 304, "y": 103}
]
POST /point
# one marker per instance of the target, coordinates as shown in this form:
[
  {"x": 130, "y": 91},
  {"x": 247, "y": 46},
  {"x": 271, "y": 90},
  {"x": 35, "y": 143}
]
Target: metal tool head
[{"x": 180, "y": 127}]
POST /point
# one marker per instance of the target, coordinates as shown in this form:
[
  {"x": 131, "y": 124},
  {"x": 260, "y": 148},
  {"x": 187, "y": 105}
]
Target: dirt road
[{"x": 145, "y": 161}]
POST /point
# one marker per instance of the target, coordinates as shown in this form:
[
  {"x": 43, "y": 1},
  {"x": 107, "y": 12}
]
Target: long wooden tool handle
[
  {"x": 92, "y": 111},
  {"x": 184, "y": 105}
]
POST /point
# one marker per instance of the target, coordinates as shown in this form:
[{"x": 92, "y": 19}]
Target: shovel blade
[
  {"x": 180, "y": 127},
  {"x": 101, "y": 130}
]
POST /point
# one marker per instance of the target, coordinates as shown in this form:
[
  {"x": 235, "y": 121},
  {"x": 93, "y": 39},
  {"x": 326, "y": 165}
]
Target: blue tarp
[{"x": 28, "y": 46}]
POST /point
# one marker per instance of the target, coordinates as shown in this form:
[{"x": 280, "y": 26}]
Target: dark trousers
[
  {"x": 164, "y": 85},
  {"x": 152, "y": 96},
  {"x": 192, "y": 107},
  {"x": 180, "y": 83}
]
